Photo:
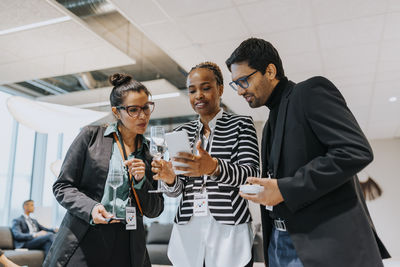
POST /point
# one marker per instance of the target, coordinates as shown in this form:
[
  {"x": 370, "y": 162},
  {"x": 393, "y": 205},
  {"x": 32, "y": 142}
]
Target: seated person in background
[
  {"x": 6, "y": 262},
  {"x": 28, "y": 233}
]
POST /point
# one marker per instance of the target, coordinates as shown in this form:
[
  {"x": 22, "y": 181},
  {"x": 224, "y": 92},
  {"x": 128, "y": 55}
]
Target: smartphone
[
  {"x": 109, "y": 220},
  {"x": 177, "y": 142}
]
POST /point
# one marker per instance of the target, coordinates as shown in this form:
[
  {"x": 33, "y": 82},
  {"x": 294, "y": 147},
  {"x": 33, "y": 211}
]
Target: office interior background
[{"x": 56, "y": 56}]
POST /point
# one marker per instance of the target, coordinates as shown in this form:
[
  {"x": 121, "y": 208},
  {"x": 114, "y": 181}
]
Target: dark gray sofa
[
  {"x": 32, "y": 258},
  {"x": 157, "y": 243}
]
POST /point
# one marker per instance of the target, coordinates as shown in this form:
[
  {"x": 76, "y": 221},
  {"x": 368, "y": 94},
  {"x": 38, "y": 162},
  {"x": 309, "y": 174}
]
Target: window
[
  {"x": 7, "y": 123},
  {"x": 22, "y": 170}
]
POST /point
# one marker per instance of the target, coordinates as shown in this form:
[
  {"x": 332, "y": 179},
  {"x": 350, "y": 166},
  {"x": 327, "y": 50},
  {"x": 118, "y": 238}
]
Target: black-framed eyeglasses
[
  {"x": 134, "y": 110},
  {"x": 242, "y": 82}
]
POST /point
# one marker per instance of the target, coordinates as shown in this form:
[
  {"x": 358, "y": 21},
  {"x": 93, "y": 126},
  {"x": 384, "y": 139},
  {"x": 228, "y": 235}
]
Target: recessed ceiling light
[
  {"x": 35, "y": 25},
  {"x": 393, "y": 99}
]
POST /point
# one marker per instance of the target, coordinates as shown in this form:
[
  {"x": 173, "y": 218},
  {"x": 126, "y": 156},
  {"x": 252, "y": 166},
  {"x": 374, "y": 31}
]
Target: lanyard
[
  {"x": 207, "y": 148},
  {"x": 123, "y": 153}
]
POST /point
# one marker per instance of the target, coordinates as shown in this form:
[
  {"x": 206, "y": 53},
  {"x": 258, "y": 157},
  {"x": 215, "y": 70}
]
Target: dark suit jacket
[
  {"x": 318, "y": 149},
  {"x": 80, "y": 186},
  {"x": 21, "y": 233}
]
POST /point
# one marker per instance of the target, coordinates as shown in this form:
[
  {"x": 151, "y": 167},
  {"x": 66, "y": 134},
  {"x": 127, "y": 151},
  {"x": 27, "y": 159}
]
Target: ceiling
[{"x": 354, "y": 43}]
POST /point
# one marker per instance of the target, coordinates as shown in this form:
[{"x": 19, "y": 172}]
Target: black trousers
[{"x": 103, "y": 246}]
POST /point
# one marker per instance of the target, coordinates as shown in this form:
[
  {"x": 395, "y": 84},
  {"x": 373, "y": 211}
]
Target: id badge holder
[
  {"x": 200, "y": 204},
  {"x": 131, "y": 219}
]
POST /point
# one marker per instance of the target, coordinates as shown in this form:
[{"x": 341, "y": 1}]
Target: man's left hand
[{"x": 270, "y": 196}]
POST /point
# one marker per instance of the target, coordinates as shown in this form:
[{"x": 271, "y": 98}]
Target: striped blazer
[{"x": 235, "y": 146}]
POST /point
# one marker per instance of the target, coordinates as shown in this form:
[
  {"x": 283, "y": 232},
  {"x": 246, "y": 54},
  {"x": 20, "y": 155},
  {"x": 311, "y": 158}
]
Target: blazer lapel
[
  {"x": 264, "y": 150},
  {"x": 279, "y": 129},
  {"x": 103, "y": 160}
]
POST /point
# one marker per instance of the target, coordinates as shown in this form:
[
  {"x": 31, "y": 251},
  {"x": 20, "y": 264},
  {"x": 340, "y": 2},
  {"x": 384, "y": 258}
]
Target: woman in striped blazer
[{"x": 212, "y": 225}]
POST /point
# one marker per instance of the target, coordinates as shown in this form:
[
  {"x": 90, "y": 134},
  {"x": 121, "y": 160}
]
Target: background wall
[{"x": 385, "y": 211}]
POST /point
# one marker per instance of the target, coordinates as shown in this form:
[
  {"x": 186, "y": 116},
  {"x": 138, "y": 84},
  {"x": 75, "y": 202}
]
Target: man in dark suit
[
  {"x": 313, "y": 213},
  {"x": 28, "y": 233}
]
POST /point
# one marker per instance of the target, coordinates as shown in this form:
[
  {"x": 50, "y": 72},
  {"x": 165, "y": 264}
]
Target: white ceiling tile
[
  {"x": 351, "y": 75},
  {"x": 381, "y": 130},
  {"x": 292, "y": 41},
  {"x": 384, "y": 113},
  {"x": 31, "y": 69},
  {"x": 357, "y": 95},
  {"x": 276, "y": 16},
  {"x": 304, "y": 62},
  {"x": 351, "y": 32},
  {"x": 179, "y": 8},
  {"x": 220, "y": 51},
  {"x": 302, "y": 76},
  {"x": 389, "y": 66},
  {"x": 7, "y": 57},
  {"x": 241, "y": 2},
  {"x": 391, "y": 31},
  {"x": 390, "y": 51},
  {"x": 48, "y": 40},
  {"x": 393, "y": 5},
  {"x": 167, "y": 35},
  {"x": 140, "y": 12},
  {"x": 16, "y": 13},
  {"x": 213, "y": 26},
  {"x": 188, "y": 57},
  {"x": 94, "y": 58},
  {"x": 339, "y": 10},
  {"x": 385, "y": 90},
  {"x": 389, "y": 75},
  {"x": 361, "y": 113},
  {"x": 351, "y": 55}
]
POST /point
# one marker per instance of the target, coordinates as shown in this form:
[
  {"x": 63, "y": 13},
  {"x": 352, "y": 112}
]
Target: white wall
[{"x": 385, "y": 211}]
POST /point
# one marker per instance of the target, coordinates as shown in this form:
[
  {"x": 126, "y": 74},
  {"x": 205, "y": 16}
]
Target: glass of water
[
  {"x": 158, "y": 147},
  {"x": 115, "y": 179}
]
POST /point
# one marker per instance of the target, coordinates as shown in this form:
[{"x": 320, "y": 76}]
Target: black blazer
[
  {"x": 317, "y": 151},
  {"x": 80, "y": 186},
  {"x": 20, "y": 231}
]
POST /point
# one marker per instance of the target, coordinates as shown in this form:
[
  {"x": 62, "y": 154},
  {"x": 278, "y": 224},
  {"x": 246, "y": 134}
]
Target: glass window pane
[
  {"x": 22, "y": 170},
  {"x": 50, "y": 177},
  {"x": 6, "y": 121}
]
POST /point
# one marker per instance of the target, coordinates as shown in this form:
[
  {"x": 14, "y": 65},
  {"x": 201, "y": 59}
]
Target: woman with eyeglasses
[
  {"x": 212, "y": 225},
  {"x": 90, "y": 235}
]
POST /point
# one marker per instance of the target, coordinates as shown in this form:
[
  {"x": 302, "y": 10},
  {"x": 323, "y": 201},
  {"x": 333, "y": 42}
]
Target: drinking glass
[
  {"x": 158, "y": 147},
  {"x": 115, "y": 179}
]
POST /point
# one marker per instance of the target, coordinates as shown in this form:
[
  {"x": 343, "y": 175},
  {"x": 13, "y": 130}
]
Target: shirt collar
[
  {"x": 213, "y": 123},
  {"x": 113, "y": 128}
]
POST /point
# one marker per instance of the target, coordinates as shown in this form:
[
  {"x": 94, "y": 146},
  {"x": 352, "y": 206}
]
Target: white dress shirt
[{"x": 32, "y": 227}]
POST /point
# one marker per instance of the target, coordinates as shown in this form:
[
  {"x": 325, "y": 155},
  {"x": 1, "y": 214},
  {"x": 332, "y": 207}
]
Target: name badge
[
  {"x": 200, "y": 204},
  {"x": 130, "y": 218}
]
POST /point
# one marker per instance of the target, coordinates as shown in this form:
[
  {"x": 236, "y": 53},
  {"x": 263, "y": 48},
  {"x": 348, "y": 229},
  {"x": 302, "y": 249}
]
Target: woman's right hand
[
  {"x": 99, "y": 215},
  {"x": 163, "y": 170}
]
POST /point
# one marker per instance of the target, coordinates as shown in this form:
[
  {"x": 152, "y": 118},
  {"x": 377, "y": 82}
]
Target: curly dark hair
[{"x": 213, "y": 67}]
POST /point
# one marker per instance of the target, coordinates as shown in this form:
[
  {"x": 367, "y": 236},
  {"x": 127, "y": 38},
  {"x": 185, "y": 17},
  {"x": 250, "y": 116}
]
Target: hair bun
[{"x": 119, "y": 78}]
